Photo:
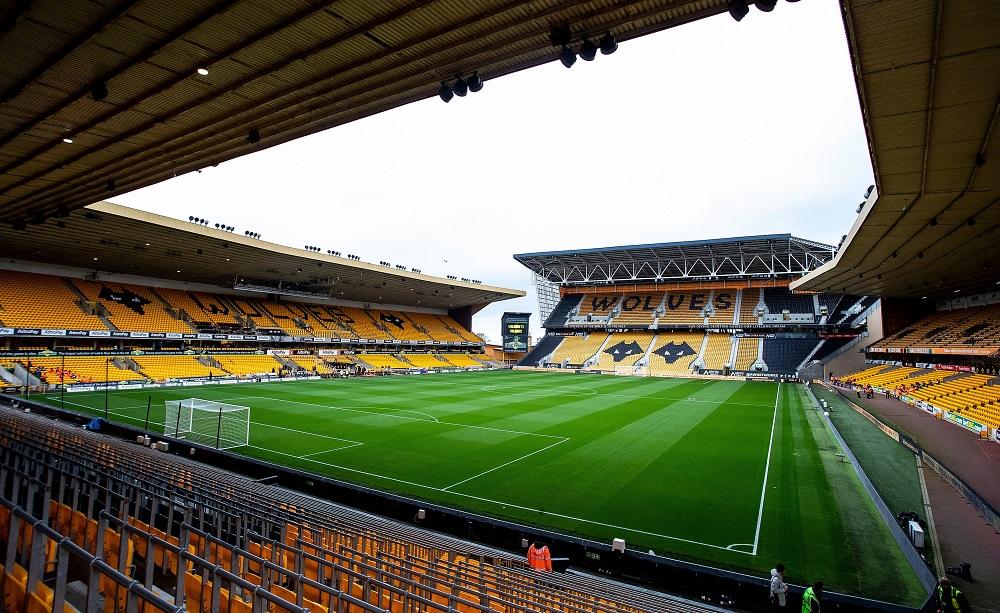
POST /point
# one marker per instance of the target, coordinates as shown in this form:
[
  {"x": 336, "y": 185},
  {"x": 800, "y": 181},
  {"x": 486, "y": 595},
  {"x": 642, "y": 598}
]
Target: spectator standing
[
  {"x": 539, "y": 557},
  {"x": 949, "y": 599},
  {"x": 778, "y": 587},
  {"x": 811, "y": 598}
]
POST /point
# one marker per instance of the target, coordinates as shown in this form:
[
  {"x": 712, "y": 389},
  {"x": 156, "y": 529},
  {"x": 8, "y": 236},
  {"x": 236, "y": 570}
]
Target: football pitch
[{"x": 734, "y": 474}]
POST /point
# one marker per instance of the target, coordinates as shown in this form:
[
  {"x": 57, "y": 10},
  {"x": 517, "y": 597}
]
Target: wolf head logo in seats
[
  {"x": 389, "y": 318},
  {"x": 125, "y": 297},
  {"x": 671, "y": 352},
  {"x": 621, "y": 351}
]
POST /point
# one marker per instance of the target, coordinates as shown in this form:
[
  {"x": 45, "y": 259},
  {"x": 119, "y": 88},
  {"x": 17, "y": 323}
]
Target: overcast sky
[{"x": 710, "y": 130}]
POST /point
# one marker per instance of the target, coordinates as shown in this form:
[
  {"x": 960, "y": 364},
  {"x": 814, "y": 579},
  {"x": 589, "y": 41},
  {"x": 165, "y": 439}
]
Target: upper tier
[
  {"x": 36, "y": 301},
  {"x": 701, "y": 308}
]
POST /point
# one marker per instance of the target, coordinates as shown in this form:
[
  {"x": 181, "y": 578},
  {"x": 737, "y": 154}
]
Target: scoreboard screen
[{"x": 514, "y": 330}]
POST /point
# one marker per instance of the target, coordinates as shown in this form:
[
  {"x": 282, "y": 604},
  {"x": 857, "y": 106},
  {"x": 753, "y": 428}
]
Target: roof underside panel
[
  {"x": 928, "y": 75},
  {"x": 287, "y": 69},
  {"x": 108, "y": 238}
]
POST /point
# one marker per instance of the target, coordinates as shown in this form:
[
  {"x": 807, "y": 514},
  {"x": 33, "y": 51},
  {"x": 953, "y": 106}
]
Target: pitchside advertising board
[{"x": 514, "y": 330}]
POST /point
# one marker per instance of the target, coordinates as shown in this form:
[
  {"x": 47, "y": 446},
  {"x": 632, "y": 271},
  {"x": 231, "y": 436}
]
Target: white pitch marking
[
  {"x": 510, "y": 504},
  {"x": 767, "y": 467},
  {"x": 486, "y": 472},
  {"x": 517, "y": 506},
  {"x": 616, "y": 395},
  {"x": 446, "y": 423}
]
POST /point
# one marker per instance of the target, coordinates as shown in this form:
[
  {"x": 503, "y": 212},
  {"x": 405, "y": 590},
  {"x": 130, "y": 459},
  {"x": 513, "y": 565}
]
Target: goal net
[{"x": 207, "y": 422}]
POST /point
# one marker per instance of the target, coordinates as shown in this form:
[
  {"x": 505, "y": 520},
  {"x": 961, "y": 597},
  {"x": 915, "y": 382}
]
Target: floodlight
[
  {"x": 608, "y": 44},
  {"x": 475, "y": 82},
  {"x": 567, "y": 57},
  {"x": 588, "y": 51},
  {"x": 765, "y": 5},
  {"x": 445, "y": 92},
  {"x": 738, "y": 9},
  {"x": 460, "y": 87}
]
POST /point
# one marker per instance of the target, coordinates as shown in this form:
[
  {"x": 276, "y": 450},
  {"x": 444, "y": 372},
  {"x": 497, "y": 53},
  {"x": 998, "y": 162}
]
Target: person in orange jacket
[{"x": 539, "y": 557}]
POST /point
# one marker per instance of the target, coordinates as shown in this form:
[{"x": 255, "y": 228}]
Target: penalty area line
[{"x": 486, "y": 472}]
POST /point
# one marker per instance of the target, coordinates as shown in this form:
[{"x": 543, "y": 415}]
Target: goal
[{"x": 207, "y": 422}]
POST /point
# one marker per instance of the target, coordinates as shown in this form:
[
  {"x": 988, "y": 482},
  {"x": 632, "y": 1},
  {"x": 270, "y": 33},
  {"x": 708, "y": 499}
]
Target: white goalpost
[{"x": 207, "y": 422}]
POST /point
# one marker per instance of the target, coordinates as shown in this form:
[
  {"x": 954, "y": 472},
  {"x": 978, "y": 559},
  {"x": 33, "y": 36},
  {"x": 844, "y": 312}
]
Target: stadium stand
[
  {"x": 778, "y": 300},
  {"x": 977, "y": 327},
  {"x": 598, "y": 305},
  {"x": 425, "y": 360},
  {"x": 163, "y": 367},
  {"x": 683, "y": 309},
  {"x": 248, "y": 364},
  {"x": 749, "y": 299},
  {"x": 638, "y": 309},
  {"x": 382, "y": 360},
  {"x": 829, "y": 346},
  {"x": 747, "y": 352},
  {"x": 674, "y": 352},
  {"x": 29, "y": 300},
  {"x": 784, "y": 355},
  {"x": 130, "y": 307},
  {"x": 311, "y": 363},
  {"x": 543, "y": 348},
  {"x": 832, "y": 304},
  {"x": 288, "y": 321},
  {"x": 717, "y": 350},
  {"x": 562, "y": 310},
  {"x": 255, "y": 547},
  {"x": 723, "y": 303},
  {"x": 950, "y": 387},
  {"x": 578, "y": 349},
  {"x": 79, "y": 369},
  {"x": 463, "y": 360},
  {"x": 623, "y": 349},
  {"x": 434, "y": 327},
  {"x": 42, "y": 301}
]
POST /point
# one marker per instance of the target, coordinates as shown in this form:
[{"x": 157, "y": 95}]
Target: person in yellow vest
[
  {"x": 811, "y": 598},
  {"x": 950, "y": 599},
  {"x": 539, "y": 557}
]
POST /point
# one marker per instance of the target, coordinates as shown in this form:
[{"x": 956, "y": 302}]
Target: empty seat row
[{"x": 222, "y": 542}]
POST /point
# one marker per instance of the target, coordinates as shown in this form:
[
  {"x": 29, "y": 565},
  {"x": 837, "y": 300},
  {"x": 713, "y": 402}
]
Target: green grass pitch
[{"x": 734, "y": 474}]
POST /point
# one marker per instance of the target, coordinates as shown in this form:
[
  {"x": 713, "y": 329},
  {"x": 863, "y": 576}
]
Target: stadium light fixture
[
  {"x": 475, "y": 82},
  {"x": 203, "y": 71},
  {"x": 765, "y": 5},
  {"x": 446, "y": 92},
  {"x": 588, "y": 51},
  {"x": 253, "y": 136},
  {"x": 461, "y": 88},
  {"x": 567, "y": 57},
  {"x": 738, "y": 9},
  {"x": 68, "y": 140},
  {"x": 99, "y": 90},
  {"x": 608, "y": 44}
]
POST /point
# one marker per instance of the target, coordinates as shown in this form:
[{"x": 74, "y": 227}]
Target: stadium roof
[
  {"x": 928, "y": 77},
  {"x": 118, "y": 239},
  {"x": 771, "y": 255},
  {"x": 120, "y": 79}
]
